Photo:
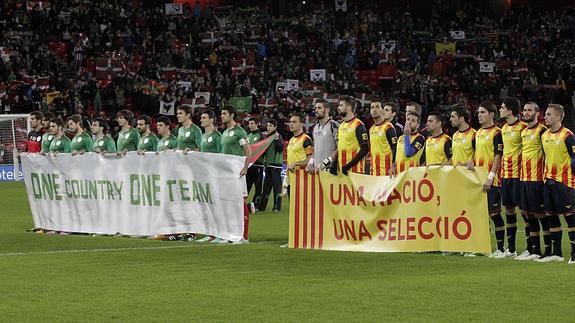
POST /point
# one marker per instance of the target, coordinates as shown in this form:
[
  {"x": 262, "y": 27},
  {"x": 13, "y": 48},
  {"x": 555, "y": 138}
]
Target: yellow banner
[
  {"x": 424, "y": 209},
  {"x": 441, "y": 48}
]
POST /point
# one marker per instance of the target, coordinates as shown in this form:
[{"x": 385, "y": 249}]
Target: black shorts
[
  {"x": 558, "y": 197},
  {"x": 494, "y": 200},
  {"x": 510, "y": 192},
  {"x": 532, "y": 198}
]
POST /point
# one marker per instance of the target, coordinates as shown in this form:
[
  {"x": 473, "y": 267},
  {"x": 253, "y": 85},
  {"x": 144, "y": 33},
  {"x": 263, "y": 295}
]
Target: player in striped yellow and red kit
[
  {"x": 488, "y": 151},
  {"x": 559, "y": 190},
  {"x": 510, "y": 171},
  {"x": 382, "y": 142},
  {"x": 532, "y": 166},
  {"x": 353, "y": 142}
]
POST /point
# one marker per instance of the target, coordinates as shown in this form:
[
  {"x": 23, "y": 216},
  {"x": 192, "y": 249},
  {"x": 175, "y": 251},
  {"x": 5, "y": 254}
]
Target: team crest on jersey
[
  {"x": 127, "y": 135},
  {"x": 231, "y": 133},
  {"x": 464, "y": 140},
  {"x": 38, "y": 139},
  {"x": 187, "y": 134},
  {"x": 146, "y": 140},
  {"x": 210, "y": 139},
  {"x": 101, "y": 143},
  {"x": 166, "y": 143},
  {"x": 58, "y": 143},
  {"x": 50, "y": 137},
  {"x": 79, "y": 139}
]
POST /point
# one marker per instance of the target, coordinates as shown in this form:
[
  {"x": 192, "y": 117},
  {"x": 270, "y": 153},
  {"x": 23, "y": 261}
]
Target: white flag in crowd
[
  {"x": 292, "y": 85},
  {"x": 281, "y": 86},
  {"x": 486, "y": 67},
  {"x": 174, "y": 9},
  {"x": 184, "y": 85},
  {"x": 205, "y": 95},
  {"x": 341, "y": 5},
  {"x": 167, "y": 108},
  {"x": 388, "y": 46},
  {"x": 457, "y": 34},
  {"x": 317, "y": 75}
]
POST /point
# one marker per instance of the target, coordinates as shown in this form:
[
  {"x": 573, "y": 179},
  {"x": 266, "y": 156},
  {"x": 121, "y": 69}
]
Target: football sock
[
  {"x": 546, "y": 236},
  {"x": 534, "y": 240},
  {"x": 511, "y": 231},
  {"x": 527, "y": 234},
  {"x": 556, "y": 236},
  {"x": 499, "y": 230}
]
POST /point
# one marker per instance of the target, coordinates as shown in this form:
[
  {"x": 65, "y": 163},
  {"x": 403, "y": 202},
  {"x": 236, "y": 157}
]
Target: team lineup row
[{"x": 530, "y": 165}]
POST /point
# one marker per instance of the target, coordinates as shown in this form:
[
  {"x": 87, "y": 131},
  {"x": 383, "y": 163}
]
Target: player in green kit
[
  {"x": 60, "y": 143},
  {"x": 148, "y": 141},
  {"x": 167, "y": 141},
  {"x": 189, "y": 135},
  {"x": 128, "y": 137},
  {"x": 82, "y": 142},
  {"x": 212, "y": 138},
  {"x": 235, "y": 142},
  {"x": 47, "y": 136},
  {"x": 103, "y": 143}
]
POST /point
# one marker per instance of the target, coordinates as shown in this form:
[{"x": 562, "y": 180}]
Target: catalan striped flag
[{"x": 306, "y": 211}]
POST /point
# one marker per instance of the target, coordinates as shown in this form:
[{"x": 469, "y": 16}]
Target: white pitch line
[{"x": 127, "y": 249}]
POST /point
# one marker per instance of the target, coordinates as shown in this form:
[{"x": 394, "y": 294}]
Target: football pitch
[{"x": 85, "y": 278}]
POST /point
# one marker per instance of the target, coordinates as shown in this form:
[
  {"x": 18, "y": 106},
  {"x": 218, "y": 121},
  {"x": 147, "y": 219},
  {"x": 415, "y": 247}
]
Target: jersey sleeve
[
  {"x": 361, "y": 135},
  {"x": 243, "y": 138},
  {"x": 308, "y": 146},
  {"x": 570, "y": 145},
  {"x": 136, "y": 138},
  {"x": 110, "y": 146},
  {"x": 498, "y": 144},
  {"x": 447, "y": 148}
]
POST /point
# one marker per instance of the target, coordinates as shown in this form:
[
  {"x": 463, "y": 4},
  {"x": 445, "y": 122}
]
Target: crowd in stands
[{"x": 95, "y": 58}]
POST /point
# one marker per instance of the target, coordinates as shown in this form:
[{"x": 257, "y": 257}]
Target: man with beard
[
  {"x": 382, "y": 142},
  {"x": 103, "y": 143},
  {"x": 353, "y": 143},
  {"x": 463, "y": 143},
  {"x": 324, "y": 138},
  {"x": 531, "y": 190},
  {"x": 82, "y": 142},
  {"x": 410, "y": 145},
  {"x": 148, "y": 141}
]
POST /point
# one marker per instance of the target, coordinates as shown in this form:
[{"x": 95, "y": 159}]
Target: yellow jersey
[{"x": 382, "y": 145}]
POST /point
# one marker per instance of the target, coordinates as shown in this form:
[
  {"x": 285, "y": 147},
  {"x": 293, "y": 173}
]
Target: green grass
[{"x": 259, "y": 281}]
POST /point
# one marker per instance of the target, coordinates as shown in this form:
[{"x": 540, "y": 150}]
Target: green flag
[{"x": 242, "y": 103}]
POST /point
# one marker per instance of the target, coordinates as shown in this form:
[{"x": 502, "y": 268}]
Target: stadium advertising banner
[
  {"x": 137, "y": 195},
  {"x": 425, "y": 209},
  {"x": 7, "y": 173}
]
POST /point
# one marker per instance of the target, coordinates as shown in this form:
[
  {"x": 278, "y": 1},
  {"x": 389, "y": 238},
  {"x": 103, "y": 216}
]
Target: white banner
[
  {"x": 137, "y": 195},
  {"x": 174, "y": 9},
  {"x": 457, "y": 34},
  {"x": 486, "y": 67},
  {"x": 205, "y": 95},
  {"x": 317, "y": 75},
  {"x": 167, "y": 108}
]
